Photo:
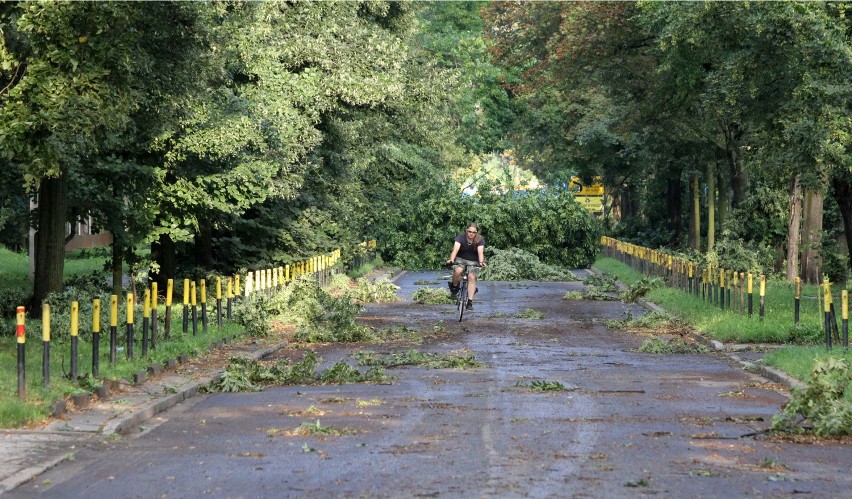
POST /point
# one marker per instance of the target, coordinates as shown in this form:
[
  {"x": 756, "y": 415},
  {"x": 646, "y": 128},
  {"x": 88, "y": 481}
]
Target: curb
[
  {"x": 766, "y": 372},
  {"x": 123, "y": 425}
]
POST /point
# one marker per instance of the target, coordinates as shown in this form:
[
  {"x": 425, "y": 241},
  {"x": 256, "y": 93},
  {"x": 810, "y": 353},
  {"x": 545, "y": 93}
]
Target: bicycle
[{"x": 461, "y": 298}]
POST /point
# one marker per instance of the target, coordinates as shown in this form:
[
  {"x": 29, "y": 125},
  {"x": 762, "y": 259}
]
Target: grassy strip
[
  {"x": 14, "y": 267},
  {"x": 37, "y": 406},
  {"x": 777, "y": 326}
]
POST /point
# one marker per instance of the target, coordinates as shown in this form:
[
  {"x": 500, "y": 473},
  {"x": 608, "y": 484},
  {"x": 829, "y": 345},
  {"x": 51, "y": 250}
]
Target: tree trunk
[
  {"x": 711, "y": 206},
  {"x": 736, "y": 173},
  {"x": 695, "y": 219},
  {"x": 843, "y": 195},
  {"x": 673, "y": 204},
  {"x": 117, "y": 261},
  {"x": 163, "y": 252},
  {"x": 739, "y": 179},
  {"x": 723, "y": 197},
  {"x": 794, "y": 225},
  {"x": 50, "y": 237},
  {"x": 204, "y": 244},
  {"x": 812, "y": 237}
]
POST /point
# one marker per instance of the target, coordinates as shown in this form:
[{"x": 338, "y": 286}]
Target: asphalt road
[{"x": 627, "y": 423}]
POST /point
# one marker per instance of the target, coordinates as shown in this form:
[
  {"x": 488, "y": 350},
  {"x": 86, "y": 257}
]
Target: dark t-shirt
[{"x": 468, "y": 250}]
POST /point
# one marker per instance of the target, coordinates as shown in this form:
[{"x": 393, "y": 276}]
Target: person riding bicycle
[{"x": 468, "y": 250}]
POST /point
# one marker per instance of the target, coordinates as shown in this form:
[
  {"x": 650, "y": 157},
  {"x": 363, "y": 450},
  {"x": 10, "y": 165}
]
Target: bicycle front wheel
[{"x": 462, "y": 301}]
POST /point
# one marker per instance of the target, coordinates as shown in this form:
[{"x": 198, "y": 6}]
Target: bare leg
[
  {"x": 471, "y": 286},
  {"x": 457, "y": 272}
]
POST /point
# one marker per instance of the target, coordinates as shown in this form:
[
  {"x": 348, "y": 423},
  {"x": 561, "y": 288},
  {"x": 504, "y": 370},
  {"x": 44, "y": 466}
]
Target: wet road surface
[{"x": 628, "y": 423}]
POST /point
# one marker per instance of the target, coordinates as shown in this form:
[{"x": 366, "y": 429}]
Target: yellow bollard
[
  {"x": 146, "y": 320},
  {"x": 844, "y": 314},
  {"x": 113, "y": 328},
  {"x": 45, "y": 336},
  {"x": 194, "y": 300},
  {"x": 96, "y": 337},
  {"x": 75, "y": 331},
  {"x": 130, "y": 325},
  {"x": 21, "y": 340},
  {"x": 167, "y": 321},
  {"x": 219, "y": 302},
  {"x": 204, "y": 306},
  {"x": 155, "y": 325}
]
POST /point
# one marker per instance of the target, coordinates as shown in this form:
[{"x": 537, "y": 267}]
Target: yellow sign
[{"x": 589, "y": 196}]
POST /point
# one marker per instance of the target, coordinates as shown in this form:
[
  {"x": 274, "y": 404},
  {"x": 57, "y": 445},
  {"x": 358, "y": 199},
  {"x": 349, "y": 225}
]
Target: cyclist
[{"x": 468, "y": 250}]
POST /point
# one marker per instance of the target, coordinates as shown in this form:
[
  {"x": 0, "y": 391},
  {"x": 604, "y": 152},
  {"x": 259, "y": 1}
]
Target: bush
[
  {"x": 519, "y": 265},
  {"x": 318, "y": 316},
  {"x": 820, "y": 407},
  {"x": 550, "y": 224}
]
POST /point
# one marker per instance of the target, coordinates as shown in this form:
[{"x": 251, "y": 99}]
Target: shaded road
[{"x": 628, "y": 424}]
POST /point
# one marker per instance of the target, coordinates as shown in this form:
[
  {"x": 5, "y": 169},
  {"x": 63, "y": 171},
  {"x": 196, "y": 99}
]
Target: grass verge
[
  {"x": 37, "y": 406},
  {"x": 796, "y": 358}
]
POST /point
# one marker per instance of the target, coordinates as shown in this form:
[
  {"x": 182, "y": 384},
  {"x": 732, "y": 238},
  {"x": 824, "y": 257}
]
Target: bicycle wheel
[{"x": 462, "y": 301}]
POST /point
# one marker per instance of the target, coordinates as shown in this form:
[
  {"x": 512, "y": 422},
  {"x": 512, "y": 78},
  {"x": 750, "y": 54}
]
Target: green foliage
[
  {"x": 550, "y": 224},
  {"x": 381, "y": 291},
  {"x": 640, "y": 289},
  {"x": 820, "y": 407},
  {"x": 529, "y": 313},
  {"x": 665, "y": 346},
  {"x": 806, "y": 334},
  {"x": 416, "y": 358},
  {"x": 254, "y": 315},
  {"x": 364, "y": 290},
  {"x": 432, "y": 296},
  {"x": 342, "y": 372},
  {"x": 603, "y": 282},
  {"x": 518, "y": 265},
  {"x": 542, "y": 386},
  {"x": 319, "y": 317},
  {"x": 243, "y": 374}
]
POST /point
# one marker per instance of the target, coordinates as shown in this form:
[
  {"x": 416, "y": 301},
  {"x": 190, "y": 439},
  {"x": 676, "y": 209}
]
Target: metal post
[
  {"x": 21, "y": 338},
  {"x": 96, "y": 337},
  {"x": 75, "y": 310},
  {"x": 45, "y": 351}
]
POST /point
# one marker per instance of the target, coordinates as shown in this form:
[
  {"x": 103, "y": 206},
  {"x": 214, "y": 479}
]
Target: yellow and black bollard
[
  {"x": 236, "y": 287},
  {"x": 742, "y": 293},
  {"x": 167, "y": 323},
  {"x": 96, "y": 337},
  {"x": 230, "y": 298},
  {"x": 690, "y": 278},
  {"x": 722, "y": 288},
  {"x": 204, "y": 306},
  {"x": 750, "y": 294},
  {"x": 75, "y": 331},
  {"x": 797, "y": 300},
  {"x": 826, "y": 305},
  {"x": 728, "y": 293},
  {"x": 844, "y": 314},
  {"x": 762, "y": 296},
  {"x": 735, "y": 285},
  {"x": 113, "y": 328},
  {"x": 45, "y": 344},
  {"x": 194, "y": 298},
  {"x": 146, "y": 321},
  {"x": 185, "y": 306},
  {"x": 21, "y": 338},
  {"x": 129, "y": 325},
  {"x": 154, "y": 324},
  {"x": 219, "y": 302}
]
